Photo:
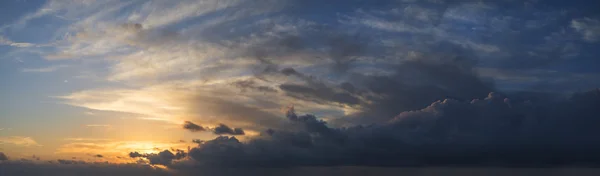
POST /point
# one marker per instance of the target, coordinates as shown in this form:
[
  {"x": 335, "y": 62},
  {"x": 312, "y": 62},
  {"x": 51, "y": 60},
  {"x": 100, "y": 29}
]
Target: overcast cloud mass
[{"x": 288, "y": 87}]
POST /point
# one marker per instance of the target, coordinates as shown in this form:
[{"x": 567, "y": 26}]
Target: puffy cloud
[
  {"x": 164, "y": 157},
  {"x": 135, "y": 155},
  {"x": 224, "y": 129}
]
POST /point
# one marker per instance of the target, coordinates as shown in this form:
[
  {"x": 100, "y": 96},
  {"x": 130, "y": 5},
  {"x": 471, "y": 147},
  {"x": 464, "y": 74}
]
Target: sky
[{"x": 163, "y": 87}]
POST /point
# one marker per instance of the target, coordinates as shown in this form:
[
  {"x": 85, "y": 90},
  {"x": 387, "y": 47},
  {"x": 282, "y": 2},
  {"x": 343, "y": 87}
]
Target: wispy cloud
[
  {"x": 19, "y": 140},
  {"x": 87, "y": 139},
  {"x": 5, "y": 41},
  {"x": 45, "y": 69},
  {"x": 588, "y": 27},
  {"x": 98, "y": 126}
]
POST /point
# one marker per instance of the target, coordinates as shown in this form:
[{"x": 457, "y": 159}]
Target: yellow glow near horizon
[{"x": 117, "y": 149}]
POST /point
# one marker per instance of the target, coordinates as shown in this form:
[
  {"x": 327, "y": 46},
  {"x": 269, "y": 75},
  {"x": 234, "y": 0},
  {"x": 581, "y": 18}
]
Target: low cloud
[
  {"x": 164, "y": 157},
  {"x": 493, "y": 131}
]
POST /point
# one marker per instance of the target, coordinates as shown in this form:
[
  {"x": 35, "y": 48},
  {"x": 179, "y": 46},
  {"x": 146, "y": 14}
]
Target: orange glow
[{"x": 116, "y": 151}]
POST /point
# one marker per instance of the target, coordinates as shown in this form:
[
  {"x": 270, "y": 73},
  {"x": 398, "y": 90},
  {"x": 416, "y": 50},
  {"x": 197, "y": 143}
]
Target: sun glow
[{"x": 117, "y": 151}]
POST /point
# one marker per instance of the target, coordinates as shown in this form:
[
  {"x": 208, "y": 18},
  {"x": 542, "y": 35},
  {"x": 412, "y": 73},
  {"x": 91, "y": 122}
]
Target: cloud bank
[{"x": 494, "y": 131}]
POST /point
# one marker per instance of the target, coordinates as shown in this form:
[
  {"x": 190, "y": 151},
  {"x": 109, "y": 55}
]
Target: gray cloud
[
  {"x": 495, "y": 131},
  {"x": 192, "y": 126},
  {"x": 135, "y": 155},
  {"x": 252, "y": 85},
  {"x": 3, "y": 157},
  {"x": 224, "y": 129},
  {"x": 64, "y": 161},
  {"x": 588, "y": 28},
  {"x": 164, "y": 157},
  {"x": 235, "y": 113}
]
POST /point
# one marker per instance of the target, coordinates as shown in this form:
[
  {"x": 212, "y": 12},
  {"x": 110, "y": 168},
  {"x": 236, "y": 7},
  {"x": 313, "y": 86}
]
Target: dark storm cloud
[
  {"x": 192, "y": 126},
  {"x": 224, "y": 129},
  {"x": 494, "y": 131}
]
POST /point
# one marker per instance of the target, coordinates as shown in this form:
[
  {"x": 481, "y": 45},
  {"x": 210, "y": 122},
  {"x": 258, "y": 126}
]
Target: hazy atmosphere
[{"x": 299, "y": 87}]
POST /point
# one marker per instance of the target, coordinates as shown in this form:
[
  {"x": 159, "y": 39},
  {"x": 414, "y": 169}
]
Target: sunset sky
[{"x": 95, "y": 80}]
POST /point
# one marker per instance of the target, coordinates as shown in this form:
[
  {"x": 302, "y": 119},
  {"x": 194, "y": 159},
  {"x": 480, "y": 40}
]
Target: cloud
[
  {"x": 5, "y": 41},
  {"x": 494, "y": 131},
  {"x": 224, "y": 129},
  {"x": 221, "y": 129},
  {"x": 192, "y": 127},
  {"x": 352, "y": 65},
  {"x": 98, "y": 125},
  {"x": 3, "y": 157},
  {"x": 114, "y": 151},
  {"x": 45, "y": 69},
  {"x": 164, "y": 157},
  {"x": 359, "y": 65},
  {"x": 19, "y": 140},
  {"x": 589, "y": 28},
  {"x": 251, "y": 84}
]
